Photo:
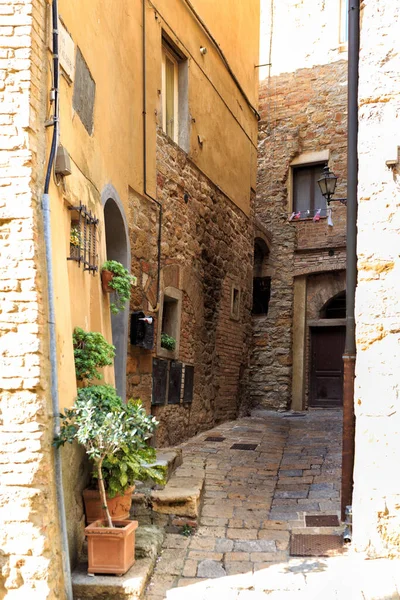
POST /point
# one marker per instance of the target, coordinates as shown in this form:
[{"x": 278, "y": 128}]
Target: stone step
[
  {"x": 130, "y": 586},
  {"x": 175, "y": 505},
  {"x": 183, "y": 494},
  {"x": 168, "y": 460}
]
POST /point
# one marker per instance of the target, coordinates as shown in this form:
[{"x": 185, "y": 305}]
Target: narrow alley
[{"x": 255, "y": 500}]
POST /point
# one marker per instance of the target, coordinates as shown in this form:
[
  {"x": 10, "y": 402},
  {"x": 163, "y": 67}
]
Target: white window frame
[{"x": 166, "y": 53}]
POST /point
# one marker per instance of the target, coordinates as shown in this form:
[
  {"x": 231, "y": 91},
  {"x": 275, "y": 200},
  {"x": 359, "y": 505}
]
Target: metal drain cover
[
  {"x": 244, "y": 446},
  {"x": 322, "y": 521},
  {"x": 315, "y": 545},
  {"x": 214, "y": 438}
]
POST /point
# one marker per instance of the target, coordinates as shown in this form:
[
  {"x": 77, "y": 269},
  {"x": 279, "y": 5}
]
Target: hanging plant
[
  {"x": 91, "y": 351},
  {"x": 120, "y": 283}
]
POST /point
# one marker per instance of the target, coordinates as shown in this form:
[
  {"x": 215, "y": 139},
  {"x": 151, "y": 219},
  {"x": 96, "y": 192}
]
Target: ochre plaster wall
[
  {"x": 109, "y": 36},
  {"x": 376, "y": 499}
]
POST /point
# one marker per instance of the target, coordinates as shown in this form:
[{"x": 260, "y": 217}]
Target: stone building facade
[
  {"x": 203, "y": 173},
  {"x": 300, "y": 259},
  {"x": 206, "y": 257},
  {"x": 376, "y": 497}
]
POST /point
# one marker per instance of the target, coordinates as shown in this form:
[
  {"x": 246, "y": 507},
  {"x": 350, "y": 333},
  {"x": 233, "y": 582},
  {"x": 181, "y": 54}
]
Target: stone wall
[
  {"x": 301, "y": 112},
  {"x": 206, "y": 250},
  {"x": 30, "y": 561},
  {"x": 376, "y": 501}
]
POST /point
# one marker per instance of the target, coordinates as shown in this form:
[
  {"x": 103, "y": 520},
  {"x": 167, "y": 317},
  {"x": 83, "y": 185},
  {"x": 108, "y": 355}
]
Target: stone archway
[{"x": 117, "y": 248}]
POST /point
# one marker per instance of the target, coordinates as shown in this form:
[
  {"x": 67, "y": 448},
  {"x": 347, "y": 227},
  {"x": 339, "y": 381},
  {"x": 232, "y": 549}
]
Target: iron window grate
[
  {"x": 244, "y": 446},
  {"x": 83, "y": 238},
  {"x": 214, "y": 438}
]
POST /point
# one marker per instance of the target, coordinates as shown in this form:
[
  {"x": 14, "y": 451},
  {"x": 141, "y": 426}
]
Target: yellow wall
[{"x": 109, "y": 35}]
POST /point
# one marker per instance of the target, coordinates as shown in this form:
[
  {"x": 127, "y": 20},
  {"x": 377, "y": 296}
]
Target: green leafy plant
[
  {"x": 114, "y": 436},
  {"x": 187, "y": 530},
  {"x": 121, "y": 284},
  {"x": 168, "y": 342},
  {"x": 91, "y": 351}
]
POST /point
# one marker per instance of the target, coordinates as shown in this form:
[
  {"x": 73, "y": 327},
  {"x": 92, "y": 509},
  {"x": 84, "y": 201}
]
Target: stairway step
[{"x": 183, "y": 494}]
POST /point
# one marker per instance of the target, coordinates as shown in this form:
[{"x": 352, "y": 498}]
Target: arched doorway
[{"x": 117, "y": 248}]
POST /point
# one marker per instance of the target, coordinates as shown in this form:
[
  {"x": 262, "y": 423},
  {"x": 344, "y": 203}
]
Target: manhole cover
[
  {"x": 214, "y": 438},
  {"x": 322, "y": 521},
  {"x": 315, "y": 545},
  {"x": 244, "y": 446}
]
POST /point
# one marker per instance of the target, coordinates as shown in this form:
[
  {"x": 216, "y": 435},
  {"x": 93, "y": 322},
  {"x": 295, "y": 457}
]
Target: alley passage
[{"x": 253, "y": 499}]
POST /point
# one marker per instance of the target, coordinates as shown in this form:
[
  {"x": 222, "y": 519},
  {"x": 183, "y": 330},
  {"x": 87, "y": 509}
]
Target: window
[
  {"x": 170, "y": 97},
  {"x": 344, "y": 18},
  {"x": 174, "y": 94},
  {"x": 307, "y": 197},
  {"x": 261, "y": 295},
  {"x": 169, "y": 323}
]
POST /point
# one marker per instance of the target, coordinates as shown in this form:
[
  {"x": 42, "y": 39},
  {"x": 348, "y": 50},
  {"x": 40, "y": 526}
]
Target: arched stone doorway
[{"x": 117, "y": 248}]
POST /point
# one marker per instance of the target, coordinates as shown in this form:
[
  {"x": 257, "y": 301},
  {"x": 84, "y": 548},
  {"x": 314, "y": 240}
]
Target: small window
[
  {"x": 170, "y": 96},
  {"x": 235, "y": 303},
  {"x": 261, "y": 295},
  {"x": 169, "y": 324},
  {"x": 307, "y": 197},
  {"x": 83, "y": 238}
]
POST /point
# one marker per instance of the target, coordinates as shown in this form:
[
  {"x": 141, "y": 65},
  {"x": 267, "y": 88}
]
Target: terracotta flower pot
[
  {"x": 106, "y": 277},
  {"x": 119, "y": 506},
  {"x": 111, "y": 550}
]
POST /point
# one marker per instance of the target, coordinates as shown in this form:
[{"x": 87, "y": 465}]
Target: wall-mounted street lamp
[{"x": 327, "y": 185}]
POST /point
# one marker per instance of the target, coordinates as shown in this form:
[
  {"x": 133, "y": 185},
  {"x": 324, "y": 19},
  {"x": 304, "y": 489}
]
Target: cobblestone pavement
[{"x": 253, "y": 500}]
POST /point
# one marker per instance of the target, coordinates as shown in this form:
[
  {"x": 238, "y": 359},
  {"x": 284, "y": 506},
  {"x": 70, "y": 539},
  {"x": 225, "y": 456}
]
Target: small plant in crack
[{"x": 187, "y": 530}]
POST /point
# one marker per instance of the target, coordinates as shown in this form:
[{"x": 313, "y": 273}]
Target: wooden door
[{"x": 326, "y": 381}]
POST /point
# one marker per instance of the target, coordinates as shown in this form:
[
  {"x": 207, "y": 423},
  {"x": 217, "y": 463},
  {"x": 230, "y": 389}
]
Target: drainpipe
[
  {"x": 51, "y": 315},
  {"x": 145, "y": 155},
  {"x": 349, "y": 356}
]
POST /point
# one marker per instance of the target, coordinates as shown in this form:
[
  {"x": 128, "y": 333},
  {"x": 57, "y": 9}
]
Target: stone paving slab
[{"x": 252, "y": 502}]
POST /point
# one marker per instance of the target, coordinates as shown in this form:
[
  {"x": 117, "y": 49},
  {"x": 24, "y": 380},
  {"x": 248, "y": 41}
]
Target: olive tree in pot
[{"x": 113, "y": 434}]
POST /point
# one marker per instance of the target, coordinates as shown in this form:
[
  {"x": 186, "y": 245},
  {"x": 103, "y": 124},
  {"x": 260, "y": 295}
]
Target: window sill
[
  {"x": 164, "y": 353},
  {"x": 307, "y": 219}
]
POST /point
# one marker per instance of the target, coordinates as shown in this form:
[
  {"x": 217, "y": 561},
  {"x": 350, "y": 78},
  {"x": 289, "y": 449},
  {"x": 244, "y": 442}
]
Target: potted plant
[
  {"x": 91, "y": 351},
  {"x": 114, "y": 436},
  {"x": 75, "y": 242},
  {"x": 115, "y": 278},
  {"x": 168, "y": 342}
]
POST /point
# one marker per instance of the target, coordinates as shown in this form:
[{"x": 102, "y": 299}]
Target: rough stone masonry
[
  {"x": 30, "y": 564},
  {"x": 301, "y": 112}
]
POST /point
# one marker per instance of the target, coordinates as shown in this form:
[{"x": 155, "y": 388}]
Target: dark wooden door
[{"x": 327, "y": 346}]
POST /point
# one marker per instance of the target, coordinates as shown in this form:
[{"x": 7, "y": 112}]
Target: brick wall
[
  {"x": 376, "y": 500},
  {"x": 301, "y": 112},
  {"x": 30, "y": 564},
  {"x": 206, "y": 247}
]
